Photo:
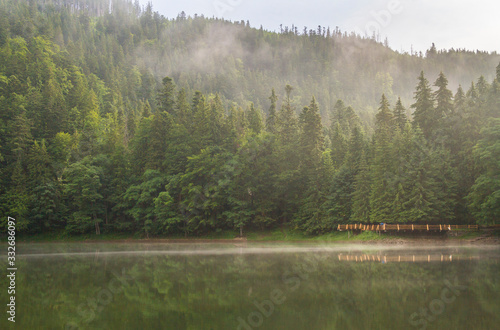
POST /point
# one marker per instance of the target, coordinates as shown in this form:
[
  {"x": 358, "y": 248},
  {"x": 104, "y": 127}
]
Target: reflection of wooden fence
[
  {"x": 398, "y": 227},
  {"x": 404, "y": 258}
]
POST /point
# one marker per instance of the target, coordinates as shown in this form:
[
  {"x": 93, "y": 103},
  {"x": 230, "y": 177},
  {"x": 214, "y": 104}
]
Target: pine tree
[
  {"x": 399, "y": 115},
  {"x": 146, "y": 110},
  {"x": 425, "y": 115},
  {"x": 255, "y": 119},
  {"x": 131, "y": 126},
  {"x": 459, "y": 100},
  {"x": 272, "y": 117},
  {"x": 39, "y": 164},
  {"x": 183, "y": 108},
  {"x": 216, "y": 122},
  {"x": 443, "y": 97},
  {"x": 83, "y": 189},
  {"x": 161, "y": 125},
  {"x": 311, "y": 138},
  {"x": 287, "y": 120},
  {"x": 384, "y": 119},
  {"x": 400, "y": 154},
  {"x": 445, "y": 177},
  {"x": 381, "y": 196},
  {"x": 361, "y": 195},
  {"x": 420, "y": 205},
  {"x": 90, "y": 133},
  {"x": 166, "y": 96},
  {"x": 484, "y": 198},
  {"x": 356, "y": 151},
  {"x": 339, "y": 145},
  {"x": 340, "y": 115},
  {"x": 289, "y": 185},
  {"x": 4, "y": 27},
  {"x": 444, "y": 110},
  {"x": 314, "y": 216}
]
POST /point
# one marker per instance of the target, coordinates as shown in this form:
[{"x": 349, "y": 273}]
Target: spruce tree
[
  {"x": 443, "y": 97},
  {"x": 400, "y": 183},
  {"x": 421, "y": 203},
  {"x": 381, "y": 196},
  {"x": 425, "y": 115},
  {"x": 399, "y": 115},
  {"x": 271, "y": 117},
  {"x": 166, "y": 96},
  {"x": 361, "y": 195},
  {"x": 339, "y": 145},
  {"x": 312, "y": 138},
  {"x": 255, "y": 119},
  {"x": 459, "y": 100},
  {"x": 484, "y": 197},
  {"x": 384, "y": 119},
  {"x": 183, "y": 108}
]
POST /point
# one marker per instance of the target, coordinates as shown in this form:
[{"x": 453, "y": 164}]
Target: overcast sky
[{"x": 448, "y": 23}]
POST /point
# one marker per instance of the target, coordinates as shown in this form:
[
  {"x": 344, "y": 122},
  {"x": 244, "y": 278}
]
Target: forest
[{"x": 114, "y": 118}]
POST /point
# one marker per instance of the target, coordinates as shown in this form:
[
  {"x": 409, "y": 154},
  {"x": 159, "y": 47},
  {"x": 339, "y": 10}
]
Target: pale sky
[{"x": 448, "y": 23}]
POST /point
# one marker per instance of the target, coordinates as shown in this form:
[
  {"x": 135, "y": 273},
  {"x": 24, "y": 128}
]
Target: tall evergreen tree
[
  {"x": 161, "y": 125},
  {"x": 339, "y": 145},
  {"x": 272, "y": 116},
  {"x": 255, "y": 119},
  {"x": 166, "y": 96},
  {"x": 182, "y": 107},
  {"x": 381, "y": 195},
  {"x": 425, "y": 115},
  {"x": 361, "y": 195},
  {"x": 443, "y": 97},
  {"x": 420, "y": 205},
  {"x": 484, "y": 198},
  {"x": 311, "y": 138},
  {"x": 399, "y": 115}
]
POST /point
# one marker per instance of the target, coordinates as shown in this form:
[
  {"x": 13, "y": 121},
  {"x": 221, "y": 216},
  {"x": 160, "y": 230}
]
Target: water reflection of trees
[{"x": 203, "y": 292}]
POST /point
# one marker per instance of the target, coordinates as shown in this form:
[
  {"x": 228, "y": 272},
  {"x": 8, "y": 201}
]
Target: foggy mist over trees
[{"x": 115, "y": 118}]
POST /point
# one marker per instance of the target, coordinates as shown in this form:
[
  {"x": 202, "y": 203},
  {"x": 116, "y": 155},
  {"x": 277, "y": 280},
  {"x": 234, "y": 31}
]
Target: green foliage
[
  {"x": 82, "y": 188},
  {"x": 94, "y": 138},
  {"x": 425, "y": 115},
  {"x": 484, "y": 198}
]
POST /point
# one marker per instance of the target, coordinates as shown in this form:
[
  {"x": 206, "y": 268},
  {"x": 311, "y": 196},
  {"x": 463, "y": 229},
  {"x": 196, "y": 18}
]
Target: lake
[{"x": 255, "y": 286}]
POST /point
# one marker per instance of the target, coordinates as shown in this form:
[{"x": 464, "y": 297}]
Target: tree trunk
[
  {"x": 106, "y": 210},
  {"x": 97, "y": 229}
]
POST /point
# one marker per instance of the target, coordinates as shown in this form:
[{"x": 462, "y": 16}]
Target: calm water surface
[{"x": 255, "y": 286}]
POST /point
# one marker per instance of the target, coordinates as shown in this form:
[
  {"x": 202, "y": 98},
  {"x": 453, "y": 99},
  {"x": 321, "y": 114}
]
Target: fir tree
[
  {"x": 425, "y": 115},
  {"x": 361, "y": 195},
  {"x": 255, "y": 119},
  {"x": 271, "y": 117},
  {"x": 399, "y": 115}
]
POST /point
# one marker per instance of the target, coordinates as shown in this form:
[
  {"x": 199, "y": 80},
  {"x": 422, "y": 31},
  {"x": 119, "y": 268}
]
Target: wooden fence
[{"x": 404, "y": 227}]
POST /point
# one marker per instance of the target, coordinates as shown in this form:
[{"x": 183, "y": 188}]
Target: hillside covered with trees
[{"x": 114, "y": 118}]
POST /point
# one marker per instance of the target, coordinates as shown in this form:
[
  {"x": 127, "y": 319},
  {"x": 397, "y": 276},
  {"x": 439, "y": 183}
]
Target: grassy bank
[{"x": 285, "y": 235}]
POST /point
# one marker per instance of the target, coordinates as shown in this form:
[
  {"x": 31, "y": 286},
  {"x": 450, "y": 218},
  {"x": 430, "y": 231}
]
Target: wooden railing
[
  {"x": 404, "y": 258},
  {"x": 399, "y": 227}
]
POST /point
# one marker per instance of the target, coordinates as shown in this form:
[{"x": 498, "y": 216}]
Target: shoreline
[
  {"x": 276, "y": 236},
  {"x": 468, "y": 239}
]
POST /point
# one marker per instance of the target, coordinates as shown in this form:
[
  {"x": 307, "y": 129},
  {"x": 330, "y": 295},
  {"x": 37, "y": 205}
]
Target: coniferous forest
[{"x": 114, "y": 118}]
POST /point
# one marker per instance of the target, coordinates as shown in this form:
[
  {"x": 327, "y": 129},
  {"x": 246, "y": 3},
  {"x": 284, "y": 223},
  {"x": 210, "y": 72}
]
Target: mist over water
[{"x": 256, "y": 285}]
